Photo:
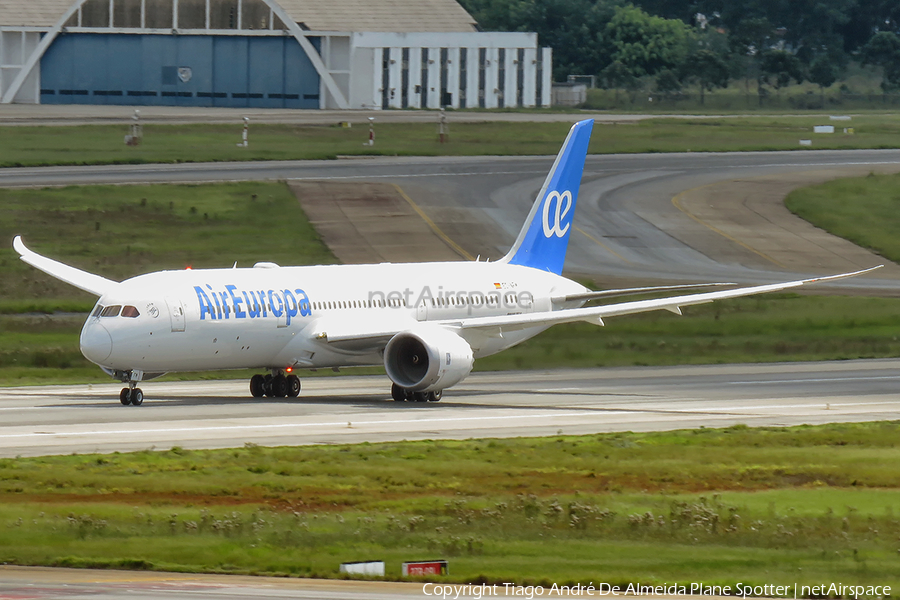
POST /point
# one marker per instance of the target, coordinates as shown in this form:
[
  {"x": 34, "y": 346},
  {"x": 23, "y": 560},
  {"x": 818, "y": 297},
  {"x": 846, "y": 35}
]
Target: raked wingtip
[{"x": 842, "y": 275}]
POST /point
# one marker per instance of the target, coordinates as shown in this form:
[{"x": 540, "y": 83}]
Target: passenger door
[{"x": 176, "y": 313}]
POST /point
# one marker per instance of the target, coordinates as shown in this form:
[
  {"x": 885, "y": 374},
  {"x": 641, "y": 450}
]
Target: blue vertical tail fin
[{"x": 544, "y": 238}]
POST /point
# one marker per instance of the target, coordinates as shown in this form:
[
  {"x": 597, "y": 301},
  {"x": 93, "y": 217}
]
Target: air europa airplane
[{"x": 425, "y": 322}]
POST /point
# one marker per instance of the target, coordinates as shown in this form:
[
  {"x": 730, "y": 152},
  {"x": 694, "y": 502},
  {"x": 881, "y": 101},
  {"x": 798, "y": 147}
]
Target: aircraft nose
[{"x": 96, "y": 343}]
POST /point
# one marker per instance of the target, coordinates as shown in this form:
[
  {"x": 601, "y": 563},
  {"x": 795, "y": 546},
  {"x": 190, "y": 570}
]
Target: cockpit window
[
  {"x": 97, "y": 311},
  {"x": 111, "y": 311},
  {"x": 130, "y": 311}
]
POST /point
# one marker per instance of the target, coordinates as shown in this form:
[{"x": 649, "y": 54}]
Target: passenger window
[
  {"x": 131, "y": 312},
  {"x": 111, "y": 311}
]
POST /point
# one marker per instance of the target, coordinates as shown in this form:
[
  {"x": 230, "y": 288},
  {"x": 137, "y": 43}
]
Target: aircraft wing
[
  {"x": 596, "y": 314},
  {"x": 81, "y": 279},
  {"x": 588, "y": 296},
  {"x": 360, "y": 334}
]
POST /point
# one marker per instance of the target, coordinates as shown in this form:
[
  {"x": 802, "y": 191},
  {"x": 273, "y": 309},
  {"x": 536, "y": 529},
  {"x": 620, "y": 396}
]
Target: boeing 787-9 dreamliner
[{"x": 426, "y": 323}]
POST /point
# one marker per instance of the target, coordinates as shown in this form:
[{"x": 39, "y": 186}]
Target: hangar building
[{"x": 265, "y": 53}]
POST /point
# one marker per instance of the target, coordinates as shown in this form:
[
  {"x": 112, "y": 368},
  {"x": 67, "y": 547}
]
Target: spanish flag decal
[{"x": 497, "y": 286}]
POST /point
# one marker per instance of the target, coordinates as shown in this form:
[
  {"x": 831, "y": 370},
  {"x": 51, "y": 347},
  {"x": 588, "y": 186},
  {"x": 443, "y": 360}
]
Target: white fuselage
[{"x": 278, "y": 317}]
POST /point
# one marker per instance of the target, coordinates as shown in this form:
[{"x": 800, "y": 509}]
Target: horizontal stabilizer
[{"x": 81, "y": 279}]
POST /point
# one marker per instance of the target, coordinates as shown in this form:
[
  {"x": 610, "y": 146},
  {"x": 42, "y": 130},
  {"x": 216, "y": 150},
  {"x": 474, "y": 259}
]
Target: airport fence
[{"x": 602, "y": 99}]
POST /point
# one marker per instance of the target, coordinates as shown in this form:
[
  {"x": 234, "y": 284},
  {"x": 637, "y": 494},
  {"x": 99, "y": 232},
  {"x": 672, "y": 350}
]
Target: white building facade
[
  {"x": 452, "y": 69},
  {"x": 336, "y": 54}
]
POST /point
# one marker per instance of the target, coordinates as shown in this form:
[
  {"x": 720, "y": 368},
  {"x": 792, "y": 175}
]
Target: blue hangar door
[{"x": 179, "y": 70}]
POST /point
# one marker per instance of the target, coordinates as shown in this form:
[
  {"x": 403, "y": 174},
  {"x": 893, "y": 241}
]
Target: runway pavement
[
  {"x": 333, "y": 410},
  {"x": 28, "y": 583}
]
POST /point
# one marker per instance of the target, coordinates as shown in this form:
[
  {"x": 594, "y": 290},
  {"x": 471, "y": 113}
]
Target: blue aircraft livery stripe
[
  {"x": 230, "y": 302},
  {"x": 547, "y": 238}
]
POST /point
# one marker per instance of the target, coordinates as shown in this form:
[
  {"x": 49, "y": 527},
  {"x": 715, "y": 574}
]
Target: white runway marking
[
  {"x": 817, "y": 380},
  {"x": 354, "y": 423}
]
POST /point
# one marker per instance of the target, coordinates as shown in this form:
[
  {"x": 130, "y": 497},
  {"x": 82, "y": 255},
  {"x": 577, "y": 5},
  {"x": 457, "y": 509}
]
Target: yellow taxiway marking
[
  {"x": 601, "y": 244},
  {"x": 437, "y": 230},
  {"x": 676, "y": 201}
]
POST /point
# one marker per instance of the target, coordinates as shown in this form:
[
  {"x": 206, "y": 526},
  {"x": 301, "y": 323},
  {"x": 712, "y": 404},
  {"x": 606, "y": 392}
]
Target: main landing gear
[
  {"x": 131, "y": 395},
  {"x": 404, "y": 395},
  {"x": 275, "y": 385}
]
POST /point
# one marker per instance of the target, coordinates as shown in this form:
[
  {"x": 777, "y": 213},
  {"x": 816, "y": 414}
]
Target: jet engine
[{"x": 427, "y": 359}]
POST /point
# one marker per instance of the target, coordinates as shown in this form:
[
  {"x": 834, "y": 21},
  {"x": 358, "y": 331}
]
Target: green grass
[
  {"x": 102, "y": 144},
  {"x": 719, "y": 506},
  {"x": 122, "y": 231},
  {"x": 863, "y": 210}
]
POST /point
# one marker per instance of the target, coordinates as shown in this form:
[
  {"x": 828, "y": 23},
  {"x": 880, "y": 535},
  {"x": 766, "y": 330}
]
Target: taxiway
[{"x": 641, "y": 218}]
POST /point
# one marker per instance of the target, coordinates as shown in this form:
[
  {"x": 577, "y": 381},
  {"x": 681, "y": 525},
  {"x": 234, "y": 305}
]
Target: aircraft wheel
[
  {"x": 293, "y": 386},
  {"x": 279, "y": 386},
  {"x": 267, "y": 386},
  {"x": 435, "y": 396},
  {"x": 398, "y": 393},
  {"x": 125, "y": 396},
  {"x": 258, "y": 386},
  {"x": 420, "y": 397},
  {"x": 137, "y": 397}
]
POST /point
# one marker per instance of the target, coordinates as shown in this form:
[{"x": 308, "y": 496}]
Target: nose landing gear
[
  {"x": 131, "y": 395},
  {"x": 275, "y": 385}
]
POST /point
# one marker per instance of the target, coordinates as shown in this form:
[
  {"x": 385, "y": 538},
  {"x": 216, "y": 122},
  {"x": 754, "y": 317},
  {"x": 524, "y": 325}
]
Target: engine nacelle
[{"x": 427, "y": 359}]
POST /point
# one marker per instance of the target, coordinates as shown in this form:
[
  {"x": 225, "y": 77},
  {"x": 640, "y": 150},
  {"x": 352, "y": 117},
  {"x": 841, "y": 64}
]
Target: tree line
[{"x": 706, "y": 43}]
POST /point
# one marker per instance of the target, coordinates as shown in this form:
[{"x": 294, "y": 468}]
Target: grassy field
[
  {"x": 121, "y": 231},
  {"x": 720, "y": 506},
  {"x": 102, "y": 144},
  {"x": 861, "y": 209}
]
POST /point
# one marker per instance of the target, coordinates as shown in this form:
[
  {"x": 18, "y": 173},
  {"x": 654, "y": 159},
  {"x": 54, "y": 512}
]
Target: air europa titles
[{"x": 251, "y": 304}]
